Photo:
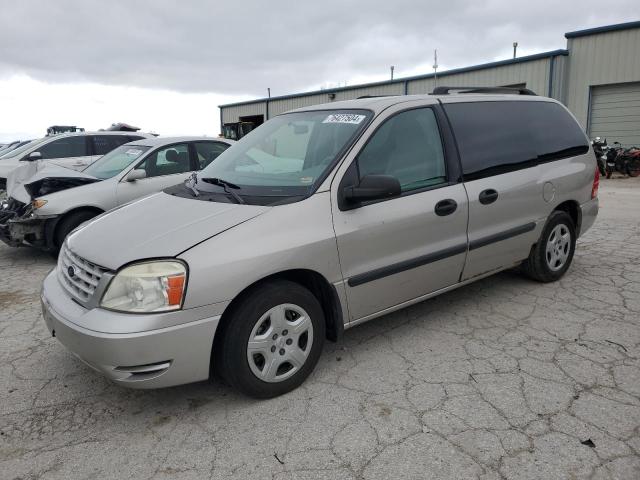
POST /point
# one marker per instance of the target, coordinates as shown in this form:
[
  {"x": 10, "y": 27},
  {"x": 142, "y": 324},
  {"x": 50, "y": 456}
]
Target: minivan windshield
[
  {"x": 115, "y": 161},
  {"x": 20, "y": 150},
  {"x": 288, "y": 155}
]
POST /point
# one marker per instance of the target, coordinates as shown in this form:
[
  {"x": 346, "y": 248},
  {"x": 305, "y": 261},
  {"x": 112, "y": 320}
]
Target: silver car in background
[
  {"x": 44, "y": 207},
  {"x": 318, "y": 220},
  {"x": 74, "y": 150}
]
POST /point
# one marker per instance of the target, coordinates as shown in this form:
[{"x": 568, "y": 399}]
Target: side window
[
  {"x": 493, "y": 137},
  {"x": 500, "y": 137},
  {"x": 207, "y": 152},
  {"x": 103, "y": 144},
  {"x": 65, "y": 148},
  {"x": 407, "y": 146},
  {"x": 167, "y": 161},
  {"x": 557, "y": 135}
]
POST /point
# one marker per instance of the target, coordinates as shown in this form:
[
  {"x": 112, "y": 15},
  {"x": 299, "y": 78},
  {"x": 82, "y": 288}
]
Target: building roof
[
  {"x": 482, "y": 66},
  {"x": 607, "y": 28}
]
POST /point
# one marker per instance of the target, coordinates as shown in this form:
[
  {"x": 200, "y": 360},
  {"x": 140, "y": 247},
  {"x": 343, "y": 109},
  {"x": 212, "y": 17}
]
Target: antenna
[
  {"x": 515, "y": 47},
  {"x": 435, "y": 67},
  {"x": 392, "y": 67}
]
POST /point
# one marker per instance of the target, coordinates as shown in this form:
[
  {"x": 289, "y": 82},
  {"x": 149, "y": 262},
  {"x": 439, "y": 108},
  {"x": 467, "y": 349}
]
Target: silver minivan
[{"x": 321, "y": 219}]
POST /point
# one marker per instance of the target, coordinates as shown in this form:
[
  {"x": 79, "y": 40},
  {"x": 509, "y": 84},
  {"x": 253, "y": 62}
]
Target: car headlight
[{"x": 156, "y": 286}]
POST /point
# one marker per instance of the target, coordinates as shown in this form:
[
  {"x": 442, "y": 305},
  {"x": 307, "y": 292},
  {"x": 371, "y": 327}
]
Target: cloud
[{"x": 241, "y": 48}]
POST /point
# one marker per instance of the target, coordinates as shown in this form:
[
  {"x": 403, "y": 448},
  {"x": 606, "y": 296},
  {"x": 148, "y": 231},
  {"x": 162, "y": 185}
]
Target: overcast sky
[{"x": 166, "y": 65}]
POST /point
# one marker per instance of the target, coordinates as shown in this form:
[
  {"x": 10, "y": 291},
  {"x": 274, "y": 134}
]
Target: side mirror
[
  {"x": 373, "y": 187},
  {"x": 135, "y": 174},
  {"x": 32, "y": 157}
]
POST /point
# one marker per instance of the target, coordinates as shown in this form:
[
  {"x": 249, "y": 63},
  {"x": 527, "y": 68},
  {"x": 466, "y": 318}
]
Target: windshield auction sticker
[
  {"x": 133, "y": 151},
  {"x": 344, "y": 118}
]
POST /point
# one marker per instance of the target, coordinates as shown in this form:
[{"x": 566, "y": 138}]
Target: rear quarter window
[{"x": 500, "y": 137}]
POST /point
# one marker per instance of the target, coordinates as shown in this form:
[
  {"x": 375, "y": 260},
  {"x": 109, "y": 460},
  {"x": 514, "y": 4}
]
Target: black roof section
[
  {"x": 607, "y": 28},
  {"x": 482, "y": 66}
]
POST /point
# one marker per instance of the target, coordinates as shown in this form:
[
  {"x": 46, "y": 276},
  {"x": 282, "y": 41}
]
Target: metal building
[{"x": 597, "y": 77}]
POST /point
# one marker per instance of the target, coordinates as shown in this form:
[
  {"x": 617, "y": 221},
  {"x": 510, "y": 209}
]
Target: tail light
[{"x": 596, "y": 184}]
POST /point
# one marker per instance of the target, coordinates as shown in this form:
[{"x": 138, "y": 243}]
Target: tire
[
  {"x": 280, "y": 358},
  {"x": 68, "y": 224},
  {"x": 633, "y": 168},
  {"x": 551, "y": 256}
]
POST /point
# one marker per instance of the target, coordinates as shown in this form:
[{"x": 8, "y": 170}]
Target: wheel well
[
  {"x": 54, "y": 227},
  {"x": 316, "y": 284},
  {"x": 573, "y": 209}
]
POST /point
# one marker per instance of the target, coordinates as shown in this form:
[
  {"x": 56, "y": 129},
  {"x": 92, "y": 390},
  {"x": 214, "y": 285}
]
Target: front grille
[{"x": 85, "y": 278}]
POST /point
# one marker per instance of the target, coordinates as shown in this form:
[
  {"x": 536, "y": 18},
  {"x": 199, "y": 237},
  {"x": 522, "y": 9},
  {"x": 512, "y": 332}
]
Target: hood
[
  {"x": 34, "y": 179},
  {"x": 160, "y": 225}
]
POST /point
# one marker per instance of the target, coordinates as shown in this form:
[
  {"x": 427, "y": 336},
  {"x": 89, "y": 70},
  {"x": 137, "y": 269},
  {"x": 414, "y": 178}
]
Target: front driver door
[
  {"x": 164, "y": 167},
  {"x": 399, "y": 249}
]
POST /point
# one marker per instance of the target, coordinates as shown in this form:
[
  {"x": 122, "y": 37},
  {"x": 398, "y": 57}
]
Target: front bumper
[
  {"x": 19, "y": 232},
  {"x": 589, "y": 213},
  {"x": 142, "y": 357}
]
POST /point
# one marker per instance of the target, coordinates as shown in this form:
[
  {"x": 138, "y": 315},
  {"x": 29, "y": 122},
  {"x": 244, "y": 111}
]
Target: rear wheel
[
  {"x": 551, "y": 257},
  {"x": 633, "y": 167},
  {"x": 68, "y": 224},
  {"x": 272, "y": 340}
]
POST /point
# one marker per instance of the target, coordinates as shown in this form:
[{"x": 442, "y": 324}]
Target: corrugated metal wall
[
  {"x": 603, "y": 58},
  {"x": 232, "y": 114},
  {"x": 534, "y": 74}
]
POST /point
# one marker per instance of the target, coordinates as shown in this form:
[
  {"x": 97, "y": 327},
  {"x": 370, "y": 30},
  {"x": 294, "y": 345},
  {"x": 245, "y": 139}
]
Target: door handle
[
  {"x": 488, "y": 196},
  {"x": 445, "y": 207}
]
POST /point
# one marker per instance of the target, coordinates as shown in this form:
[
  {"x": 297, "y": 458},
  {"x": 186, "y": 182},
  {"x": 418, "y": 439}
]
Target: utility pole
[
  {"x": 515, "y": 47},
  {"x": 392, "y": 67},
  {"x": 435, "y": 68}
]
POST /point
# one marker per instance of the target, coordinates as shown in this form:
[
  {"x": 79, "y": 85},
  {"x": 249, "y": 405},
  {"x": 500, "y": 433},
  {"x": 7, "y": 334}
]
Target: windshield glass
[
  {"x": 115, "y": 161},
  {"x": 289, "y": 154},
  {"x": 20, "y": 150}
]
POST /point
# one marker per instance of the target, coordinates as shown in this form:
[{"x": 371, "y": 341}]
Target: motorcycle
[
  {"x": 600, "y": 148},
  {"x": 623, "y": 160},
  {"x": 630, "y": 160}
]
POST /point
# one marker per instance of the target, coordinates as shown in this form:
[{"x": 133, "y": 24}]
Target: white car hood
[
  {"x": 29, "y": 172},
  {"x": 157, "y": 226}
]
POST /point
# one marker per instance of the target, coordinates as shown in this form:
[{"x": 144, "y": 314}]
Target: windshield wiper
[
  {"x": 220, "y": 182},
  {"x": 224, "y": 184}
]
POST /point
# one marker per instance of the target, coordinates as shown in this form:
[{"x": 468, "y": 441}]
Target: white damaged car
[{"x": 46, "y": 201}]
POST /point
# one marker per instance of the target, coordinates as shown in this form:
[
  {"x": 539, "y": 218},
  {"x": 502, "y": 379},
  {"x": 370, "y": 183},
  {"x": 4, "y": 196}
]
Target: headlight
[{"x": 147, "y": 287}]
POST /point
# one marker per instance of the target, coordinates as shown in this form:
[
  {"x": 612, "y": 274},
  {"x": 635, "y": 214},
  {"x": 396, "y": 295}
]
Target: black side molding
[
  {"x": 512, "y": 232},
  {"x": 405, "y": 265},
  {"x": 435, "y": 256}
]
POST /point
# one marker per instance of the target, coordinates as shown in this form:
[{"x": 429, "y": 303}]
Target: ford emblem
[{"x": 71, "y": 271}]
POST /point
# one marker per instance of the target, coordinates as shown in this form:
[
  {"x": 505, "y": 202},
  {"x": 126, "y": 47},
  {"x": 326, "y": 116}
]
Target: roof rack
[
  {"x": 375, "y": 96},
  {"x": 518, "y": 91}
]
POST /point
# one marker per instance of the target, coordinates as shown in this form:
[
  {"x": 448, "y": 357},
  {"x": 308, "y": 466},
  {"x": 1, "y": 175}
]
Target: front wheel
[
  {"x": 272, "y": 340},
  {"x": 551, "y": 257},
  {"x": 68, "y": 224}
]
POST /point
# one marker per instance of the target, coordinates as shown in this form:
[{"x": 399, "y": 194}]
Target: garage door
[{"x": 615, "y": 113}]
